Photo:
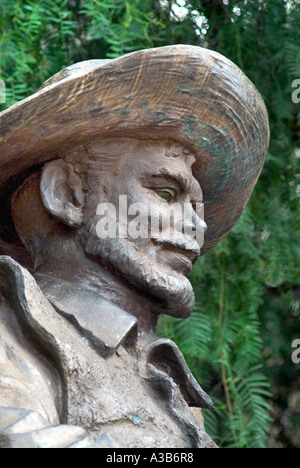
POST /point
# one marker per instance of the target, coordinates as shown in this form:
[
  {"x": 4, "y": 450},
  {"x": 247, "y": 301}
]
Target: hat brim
[{"x": 184, "y": 93}]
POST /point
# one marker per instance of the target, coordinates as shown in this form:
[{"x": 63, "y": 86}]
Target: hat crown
[
  {"x": 75, "y": 71},
  {"x": 182, "y": 93}
]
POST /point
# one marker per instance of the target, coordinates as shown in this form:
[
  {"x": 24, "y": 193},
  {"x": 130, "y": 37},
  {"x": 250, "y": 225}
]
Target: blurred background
[{"x": 238, "y": 342}]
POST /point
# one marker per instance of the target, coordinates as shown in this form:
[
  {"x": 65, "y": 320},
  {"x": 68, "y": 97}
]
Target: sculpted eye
[{"x": 167, "y": 194}]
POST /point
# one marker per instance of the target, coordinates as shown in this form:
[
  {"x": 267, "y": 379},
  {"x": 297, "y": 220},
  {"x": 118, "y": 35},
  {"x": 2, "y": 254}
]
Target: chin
[
  {"x": 170, "y": 289},
  {"x": 179, "y": 303}
]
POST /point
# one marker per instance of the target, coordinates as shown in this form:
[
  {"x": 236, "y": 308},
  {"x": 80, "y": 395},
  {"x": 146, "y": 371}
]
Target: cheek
[
  {"x": 122, "y": 193},
  {"x": 98, "y": 197},
  {"x": 166, "y": 218},
  {"x": 158, "y": 215}
]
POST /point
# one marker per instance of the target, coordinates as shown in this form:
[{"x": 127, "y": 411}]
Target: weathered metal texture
[
  {"x": 58, "y": 391},
  {"x": 184, "y": 93}
]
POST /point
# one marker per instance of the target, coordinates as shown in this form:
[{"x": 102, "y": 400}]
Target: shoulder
[
  {"x": 19, "y": 294},
  {"x": 25, "y": 373},
  {"x": 17, "y": 287},
  {"x": 30, "y": 309}
]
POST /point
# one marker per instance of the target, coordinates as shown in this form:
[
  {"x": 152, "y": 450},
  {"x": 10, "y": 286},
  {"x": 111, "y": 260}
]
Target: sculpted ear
[{"x": 62, "y": 192}]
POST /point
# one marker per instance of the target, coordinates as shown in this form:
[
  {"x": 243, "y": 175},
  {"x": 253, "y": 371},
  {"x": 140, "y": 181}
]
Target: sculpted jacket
[{"x": 75, "y": 373}]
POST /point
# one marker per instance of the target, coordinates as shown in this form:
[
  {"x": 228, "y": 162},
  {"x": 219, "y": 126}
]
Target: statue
[{"x": 104, "y": 173}]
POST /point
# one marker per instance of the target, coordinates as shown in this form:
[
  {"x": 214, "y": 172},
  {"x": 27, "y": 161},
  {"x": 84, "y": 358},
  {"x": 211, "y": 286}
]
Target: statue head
[
  {"x": 128, "y": 152},
  {"x": 133, "y": 205}
]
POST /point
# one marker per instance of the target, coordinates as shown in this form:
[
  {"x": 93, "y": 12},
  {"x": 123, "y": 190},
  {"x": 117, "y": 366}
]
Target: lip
[
  {"x": 189, "y": 255},
  {"x": 190, "y": 250},
  {"x": 181, "y": 260},
  {"x": 181, "y": 255}
]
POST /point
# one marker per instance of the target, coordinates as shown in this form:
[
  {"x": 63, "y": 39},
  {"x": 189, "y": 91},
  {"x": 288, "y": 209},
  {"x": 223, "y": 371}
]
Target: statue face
[{"x": 151, "y": 250}]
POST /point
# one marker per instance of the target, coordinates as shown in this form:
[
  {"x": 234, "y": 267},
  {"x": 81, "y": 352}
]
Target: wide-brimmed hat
[{"x": 183, "y": 93}]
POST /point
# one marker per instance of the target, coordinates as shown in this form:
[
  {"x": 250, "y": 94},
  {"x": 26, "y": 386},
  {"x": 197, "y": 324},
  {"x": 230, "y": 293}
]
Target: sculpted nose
[
  {"x": 191, "y": 222},
  {"x": 202, "y": 224}
]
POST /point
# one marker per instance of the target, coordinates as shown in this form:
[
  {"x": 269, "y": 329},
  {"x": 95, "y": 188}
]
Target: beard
[{"x": 139, "y": 263}]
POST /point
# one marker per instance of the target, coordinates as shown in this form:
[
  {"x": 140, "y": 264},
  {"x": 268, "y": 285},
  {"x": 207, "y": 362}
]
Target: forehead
[
  {"x": 149, "y": 155},
  {"x": 123, "y": 162},
  {"x": 126, "y": 159},
  {"x": 165, "y": 159}
]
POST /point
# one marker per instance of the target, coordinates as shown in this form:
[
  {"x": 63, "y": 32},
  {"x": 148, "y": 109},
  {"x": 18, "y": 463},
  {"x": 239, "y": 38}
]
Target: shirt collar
[
  {"x": 101, "y": 322},
  {"x": 107, "y": 327},
  {"x": 163, "y": 357}
]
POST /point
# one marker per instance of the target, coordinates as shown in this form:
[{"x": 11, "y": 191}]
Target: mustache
[{"x": 189, "y": 246}]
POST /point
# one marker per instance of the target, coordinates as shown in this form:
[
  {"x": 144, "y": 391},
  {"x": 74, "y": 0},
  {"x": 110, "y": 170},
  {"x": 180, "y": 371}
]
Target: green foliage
[
  {"x": 258, "y": 264},
  {"x": 238, "y": 341},
  {"x": 124, "y": 25},
  {"x": 38, "y": 38},
  {"x": 34, "y": 40}
]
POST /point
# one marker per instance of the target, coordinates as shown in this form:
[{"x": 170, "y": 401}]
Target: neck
[{"x": 74, "y": 266}]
